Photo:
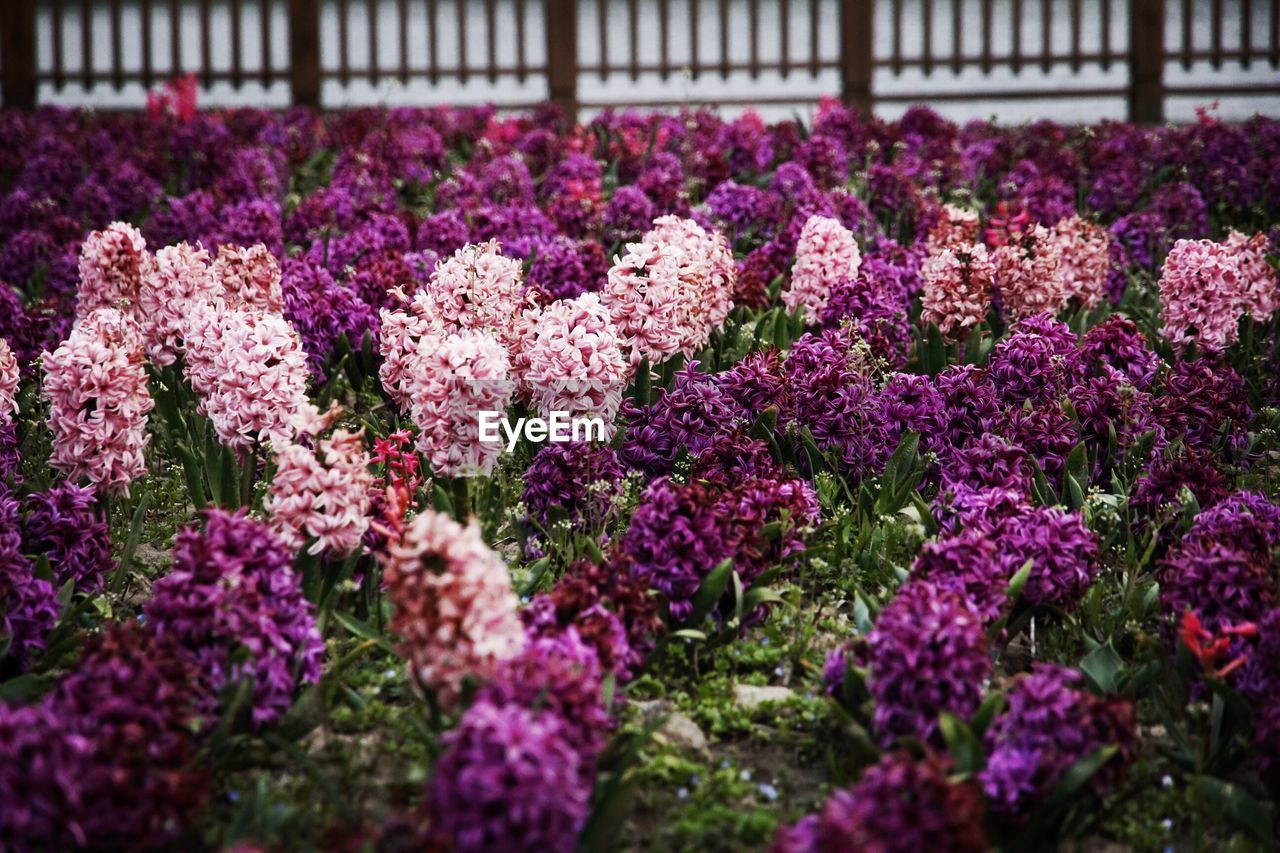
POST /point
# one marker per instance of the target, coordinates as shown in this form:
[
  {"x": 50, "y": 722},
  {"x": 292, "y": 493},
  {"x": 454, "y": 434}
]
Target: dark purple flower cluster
[
  {"x": 899, "y": 804},
  {"x": 64, "y": 525},
  {"x": 573, "y": 481},
  {"x": 1049, "y": 723},
  {"x": 233, "y": 605},
  {"x": 28, "y": 604}
]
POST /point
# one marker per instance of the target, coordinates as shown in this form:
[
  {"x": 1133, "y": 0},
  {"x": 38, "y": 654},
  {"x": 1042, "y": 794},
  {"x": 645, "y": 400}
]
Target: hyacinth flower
[
  {"x": 111, "y": 265},
  {"x": 826, "y": 255},
  {"x": 454, "y": 609},
  {"x": 175, "y": 280},
  {"x": 231, "y": 588},
  {"x": 9, "y": 379},
  {"x": 958, "y": 283},
  {"x": 670, "y": 291},
  {"x": 96, "y": 385}
]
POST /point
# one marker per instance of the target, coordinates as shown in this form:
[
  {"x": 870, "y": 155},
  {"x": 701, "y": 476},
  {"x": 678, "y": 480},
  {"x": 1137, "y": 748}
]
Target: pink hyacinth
[
  {"x": 575, "y": 362},
  {"x": 1084, "y": 251},
  {"x": 826, "y": 255},
  {"x": 1029, "y": 274},
  {"x": 96, "y": 384},
  {"x": 671, "y": 290},
  {"x": 8, "y": 381},
  {"x": 249, "y": 277},
  {"x": 955, "y": 227},
  {"x": 454, "y": 608},
  {"x": 476, "y": 289},
  {"x": 450, "y": 380},
  {"x": 175, "y": 280},
  {"x": 322, "y": 494},
  {"x": 1203, "y": 294},
  {"x": 398, "y": 337},
  {"x": 957, "y": 289},
  {"x": 1261, "y": 285},
  {"x": 257, "y": 380},
  {"x": 111, "y": 268}
]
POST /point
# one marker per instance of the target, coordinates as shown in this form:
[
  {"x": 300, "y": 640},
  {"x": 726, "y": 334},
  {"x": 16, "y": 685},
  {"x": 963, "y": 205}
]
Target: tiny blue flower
[
  {"x": 769, "y": 792},
  {"x": 683, "y": 793}
]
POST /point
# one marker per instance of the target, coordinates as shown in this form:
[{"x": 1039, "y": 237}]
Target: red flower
[{"x": 1210, "y": 650}]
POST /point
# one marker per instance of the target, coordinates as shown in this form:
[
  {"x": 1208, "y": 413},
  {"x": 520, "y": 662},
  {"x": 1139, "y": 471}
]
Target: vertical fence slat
[
  {"x": 1246, "y": 33},
  {"x": 664, "y": 38},
  {"x": 633, "y": 22},
  {"x": 148, "y": 75},
  {"x": 522, "y": 68},
  {"x": 815, "y": 25},
  {"x": 237, "y": 36},
  {"x": 1187, "y": 43},
  {"x": 374, "y": 65},
  {"x": 695, "y": 68},
  {"x": 304, "y": 52},
  {"x": 460, "y": 6},
  {"x": 1215, "y": 31},
  {"x": 602, "y": 7},
  {"x": 856, "y": 53},
  {"x": 957, "y": 44},
  {"x": 986, "y": 36},
  {"x": 784, "y": 36},
  {"x": 897, "y": 37},
  {"x": 18, "y": 53},
  {"x": 264, "y": 23},
  {"x": 1076, "y": 26},
  {"x": 1275, "y": 33},
  {"x": 86, "y": 44},
  {"x": 754, "y": 18},
  {"x": 433, "y": 41},
  {"x": 1146, "y": 61},
  {"x": 926, "y": 36},
  {"x": 562, "y": 56},
  {"x": 1046, "y": 35},
  {"x": 175, "y": 38},
  {"x": 1016, "y": 60},
  {"x": 724, "y": 38},
  {"x": 1106, "y": 34},
  {"x": 491, "y": 39},
  {"x": 117, "y": 47},
  {"x": 206, "y": 44},
  {"x": 59, "y": 67}
]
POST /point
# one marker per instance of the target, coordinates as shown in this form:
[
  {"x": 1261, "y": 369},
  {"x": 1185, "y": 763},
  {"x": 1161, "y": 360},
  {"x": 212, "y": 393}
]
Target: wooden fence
[{"x": 774, "y": 48}]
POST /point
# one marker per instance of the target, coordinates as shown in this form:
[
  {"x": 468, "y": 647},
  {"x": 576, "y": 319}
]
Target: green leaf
[
  {"x": 962, "y": 743},
  {"x": 1239, "y": 807},
  {"x": 710, "y": 592},
  {"x": 992, "y": 705},
  {"x": 362, "y": 630},
  {"x": 440, "y": 499},
  {"x": 1101, "y": 667},
  {"x": 1014, "y": 590}
]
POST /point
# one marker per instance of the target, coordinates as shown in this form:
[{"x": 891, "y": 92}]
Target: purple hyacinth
[
  {"x": 899, "y": 804},
  {"x": 1037, "y": 363},
  {"x": 928, "y": 653},
  {"x": 986, "y": 462},
  {"x": 1204, "y": 401},
  {"x": 1117, "y": 342},
  {"x": 231, "y": 588},
  {"x": 28, "y": 604},
  {"x": 576, "y": 480},
  {"x": 628, "y": 215},
  {"x": 65, "y": 525},
  {"x": 509, "y": 779},
  {"x": 686, "y": 417},
  {"x": 1049, "y": 723},
  {"x": 969, "y": 565}
]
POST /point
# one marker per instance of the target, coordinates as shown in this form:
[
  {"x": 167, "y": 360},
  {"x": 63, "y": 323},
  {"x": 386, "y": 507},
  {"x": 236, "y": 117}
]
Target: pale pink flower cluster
[
  {"x": 575, "y": 363},
  {"x": 1203, "y": 293},
  {"x": 670, "y": 291},
  {"x": 450, "y": 380},
  {"x": 1084, "y": 249},
  {"x": 955, "y": 227},
  {"x": 256, "y": 381},
  {"x": 477, "y": 289},
  {"x": 8, "y": 381},
  {"x": 1262, "y": 288},
  {"x": 455, "y": 612},
  {"x": 96, "y": 385},
  {"x": 398, "y": 338},
  {"x": 826, "y": 254},
  {"x": 111, "y": 268},
  {"x": 249, "y": 277},
  {"x": 176, "y": 279},
  {"x": 1029, "y": 274},
  {"x": 957, "y": 289},
  {"x": 322, "y": 494}
]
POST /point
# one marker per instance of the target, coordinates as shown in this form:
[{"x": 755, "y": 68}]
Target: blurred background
[{"x": 1071, "y": 60}]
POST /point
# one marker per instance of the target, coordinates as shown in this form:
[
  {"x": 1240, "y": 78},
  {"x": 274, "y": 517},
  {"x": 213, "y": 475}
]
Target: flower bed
[{"x": 935, "y": 507}]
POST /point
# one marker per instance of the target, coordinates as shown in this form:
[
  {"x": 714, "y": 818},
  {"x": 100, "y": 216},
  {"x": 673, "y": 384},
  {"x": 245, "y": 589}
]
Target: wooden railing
[{"x": 51, "y": 45}]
